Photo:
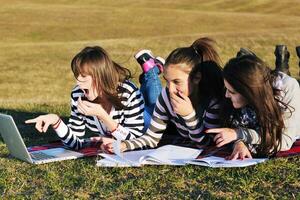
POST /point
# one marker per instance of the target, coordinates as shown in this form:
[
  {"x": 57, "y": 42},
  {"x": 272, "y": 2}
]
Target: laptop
[{"x": 17, "y": 148}]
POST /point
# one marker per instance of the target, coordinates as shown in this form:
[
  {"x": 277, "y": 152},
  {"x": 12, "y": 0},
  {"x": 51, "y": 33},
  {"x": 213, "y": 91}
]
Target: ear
[{"x": 196, "y": 78}]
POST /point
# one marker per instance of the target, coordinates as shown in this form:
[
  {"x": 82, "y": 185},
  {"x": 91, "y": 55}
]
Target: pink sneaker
[{"x": 147, "y": 61}]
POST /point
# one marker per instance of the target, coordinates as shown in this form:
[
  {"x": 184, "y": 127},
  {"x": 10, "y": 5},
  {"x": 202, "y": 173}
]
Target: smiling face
[
  {"x": 85, "y": 83},
  {"x": 177, "y": 79},
  {"x": 238, "y": 101}
]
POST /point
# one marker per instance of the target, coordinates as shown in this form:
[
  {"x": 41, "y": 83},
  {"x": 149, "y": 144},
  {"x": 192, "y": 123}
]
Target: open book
[
  {"x": 214, "y": 161},
  {"x": 165, "y": 155}
]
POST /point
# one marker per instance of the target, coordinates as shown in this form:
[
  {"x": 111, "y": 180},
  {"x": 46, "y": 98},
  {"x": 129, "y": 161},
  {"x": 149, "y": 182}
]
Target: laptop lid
[
  {"x": 17, "y": 147},
  {"x": 13, "y": 139}
]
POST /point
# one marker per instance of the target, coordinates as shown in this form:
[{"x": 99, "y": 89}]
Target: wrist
[
  {"x": 113, "y": 129},
  {"x": 56, "y": 124}
]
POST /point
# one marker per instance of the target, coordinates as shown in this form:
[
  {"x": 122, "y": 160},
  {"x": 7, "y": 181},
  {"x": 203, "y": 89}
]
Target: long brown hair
[
  {"x": 201, "y": 58},
  {"x": 254, "y": 80},
  {"x": 106, "y": 74}
]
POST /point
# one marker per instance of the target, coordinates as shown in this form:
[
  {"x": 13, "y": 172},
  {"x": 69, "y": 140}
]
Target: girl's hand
[
  {"x": 181, "y": 104},
  {"x": 107, "y": 145},
  {"x": 240, "y": 151},
  {"x": 42, "y": 122},
  {"x": 91, "y": 109},
  {"x": 223, "y": 135}
]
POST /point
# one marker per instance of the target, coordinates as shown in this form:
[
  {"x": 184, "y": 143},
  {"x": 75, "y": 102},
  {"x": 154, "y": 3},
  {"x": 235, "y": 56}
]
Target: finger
[
  {"x": 174, "y": 102},
  {"x": 80, "y": 109},
  {"x": 102, "y": 147},
  {"x": 39, "y": 126},
  {"x": 110, "y": 148},
  {"x": 87, "y": 103},
  {"x": 106, "y": 140},
  {"x": 234, "y": 156},
  {"x": 248, "y": 155},
  {"x": 31, "y": 121},
  {"x": 217, "y": 136},
  {"x": 183, "y": 96},
  {"x": 45, "y": 127},
  {"x": 227, "y": 158},
  {"x": 218, "y": 140},
  {"x": 176, "y": 98},
  {"x": 220, "y": 144},
  {"x": 214, "y": 130},
  {"x": 96, "y": 139},
  {"x": 84, "y": 105}
]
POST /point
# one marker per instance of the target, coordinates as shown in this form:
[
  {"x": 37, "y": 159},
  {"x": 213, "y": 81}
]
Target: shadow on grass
[{"x": 30, "y": 135}]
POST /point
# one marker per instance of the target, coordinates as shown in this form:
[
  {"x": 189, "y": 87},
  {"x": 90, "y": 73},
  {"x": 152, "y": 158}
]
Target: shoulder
[
  {"x": 130, "y": 93},
  {"x": 214, "y": 103},
  {"x": 287, "y": 84},
  {"x": 128, "y": 86},
  {"x": 164, "y": 95}
]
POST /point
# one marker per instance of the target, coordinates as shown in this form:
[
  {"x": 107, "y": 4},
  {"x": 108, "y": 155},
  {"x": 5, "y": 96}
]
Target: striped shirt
[
  {"x": 130, "y": 119},
  {"x": 191, "y": 126}
]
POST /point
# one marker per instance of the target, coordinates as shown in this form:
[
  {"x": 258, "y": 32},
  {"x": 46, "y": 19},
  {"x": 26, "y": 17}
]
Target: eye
[
  {"x": 177, "y": 82},
  {"x": 231, "y": 92}
]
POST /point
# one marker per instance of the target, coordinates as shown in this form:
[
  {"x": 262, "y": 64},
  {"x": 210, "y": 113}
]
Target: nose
[
  {"x": 171, "y": 86},
  {"x": 78, "y": 82},
  {"x": 227, "y": 95}
]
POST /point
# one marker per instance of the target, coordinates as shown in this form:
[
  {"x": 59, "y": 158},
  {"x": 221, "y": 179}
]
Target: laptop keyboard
[{"x": 40, "y": 156}]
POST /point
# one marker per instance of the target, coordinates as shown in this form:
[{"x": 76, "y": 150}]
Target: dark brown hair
[
  {"x": 106, "y": 74},
  {"x": 254, "y": 80}
]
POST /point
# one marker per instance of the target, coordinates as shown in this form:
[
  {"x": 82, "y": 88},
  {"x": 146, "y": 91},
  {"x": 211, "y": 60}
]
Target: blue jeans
[{"x": 150, "y": 89}]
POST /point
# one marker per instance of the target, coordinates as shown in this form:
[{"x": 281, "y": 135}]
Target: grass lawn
[{"x": 38, "y": 39}]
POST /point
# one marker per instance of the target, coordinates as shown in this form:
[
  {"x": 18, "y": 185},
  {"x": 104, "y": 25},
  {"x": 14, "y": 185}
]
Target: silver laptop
[{"x": 17, "y": 148}]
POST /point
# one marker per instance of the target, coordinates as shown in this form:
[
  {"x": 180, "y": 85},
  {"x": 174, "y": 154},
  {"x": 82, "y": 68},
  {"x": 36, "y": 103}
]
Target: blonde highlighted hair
[{"x": 106, "y": 74}]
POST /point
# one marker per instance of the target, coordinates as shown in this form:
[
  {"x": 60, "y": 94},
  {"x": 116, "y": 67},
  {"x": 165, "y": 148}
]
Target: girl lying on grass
[
  {"x": 104, "y": 100},
  {"x": 262, "y": 111},
  {"x": 190, "y": 101}
]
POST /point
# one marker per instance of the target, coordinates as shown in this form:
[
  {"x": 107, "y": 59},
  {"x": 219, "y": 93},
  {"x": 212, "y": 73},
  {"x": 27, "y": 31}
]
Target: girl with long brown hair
[{"x": 262, "y": 110}]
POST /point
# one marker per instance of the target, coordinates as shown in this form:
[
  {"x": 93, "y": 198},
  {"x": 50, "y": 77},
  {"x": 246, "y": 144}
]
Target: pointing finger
[{"x": 31, "y": 121}]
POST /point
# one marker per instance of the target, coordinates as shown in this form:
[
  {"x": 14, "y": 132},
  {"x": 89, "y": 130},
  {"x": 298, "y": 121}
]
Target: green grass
[{"x": 39, "y": 38}]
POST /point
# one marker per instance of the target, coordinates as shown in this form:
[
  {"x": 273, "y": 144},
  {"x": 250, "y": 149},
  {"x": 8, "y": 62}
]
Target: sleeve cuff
[
  {"x": 190, "y": 116},
  {"x": 61, "y": 130},
  {"x": 240, "y": 134}
]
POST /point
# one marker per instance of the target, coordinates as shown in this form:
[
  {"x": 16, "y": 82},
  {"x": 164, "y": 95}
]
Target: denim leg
[{"x": 150, "y": 88}]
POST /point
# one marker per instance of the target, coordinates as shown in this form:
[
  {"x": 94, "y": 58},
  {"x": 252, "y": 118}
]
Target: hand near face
[
  {"x": 181, "y": 104},
  {"x": 223, "y": 135},
  {"x": 91, "y": 109},
  {"x": 42, "y": 122},
  {"x": 240, "y": 151}
]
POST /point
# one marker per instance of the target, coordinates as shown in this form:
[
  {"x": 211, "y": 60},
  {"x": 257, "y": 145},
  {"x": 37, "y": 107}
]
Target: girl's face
[
  {"x": 238, "y": 101},
  {"x": 177, "y": 79},
  {"x": 85, "y": 83}
]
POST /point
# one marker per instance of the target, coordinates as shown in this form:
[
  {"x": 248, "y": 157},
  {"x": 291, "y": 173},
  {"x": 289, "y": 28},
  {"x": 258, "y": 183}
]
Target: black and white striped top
[
  {"x": 130, "y": 119},
  {"x": 191, "y": 126}
]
